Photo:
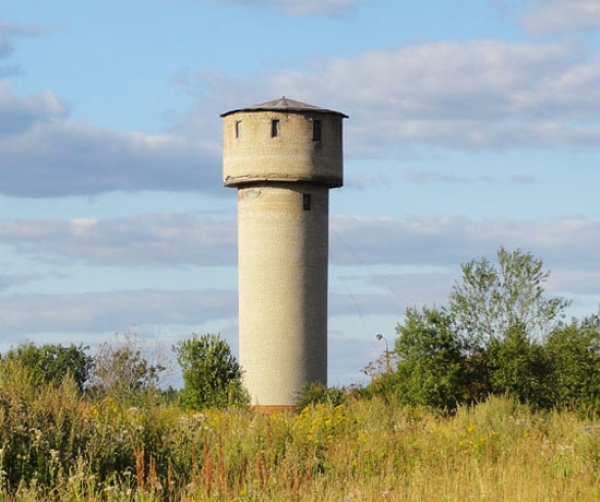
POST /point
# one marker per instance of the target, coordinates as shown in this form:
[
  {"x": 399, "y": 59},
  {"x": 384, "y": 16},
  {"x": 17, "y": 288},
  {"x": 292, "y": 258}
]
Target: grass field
[{"x": 56, "y": 445}]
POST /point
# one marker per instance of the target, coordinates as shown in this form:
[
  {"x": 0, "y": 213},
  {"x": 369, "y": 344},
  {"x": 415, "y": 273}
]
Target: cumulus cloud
[
  {"x": 111, "y": 311},
  {"x": 181, "y": 239},
  {"x": 18, "y": 114},
  {"x": 416, "y": 261},
  {"x": 304, "y": 7},
  {"x": 451, "y": 240},
  {"x": 480, "y": 94},
  {"x": 63, "y": 157},
  {"x": 549, "y": 16},
  {"x": 422, "y": 256},
  {"x": 157, "y": 240},
  {"x": 44, "y": 154}
]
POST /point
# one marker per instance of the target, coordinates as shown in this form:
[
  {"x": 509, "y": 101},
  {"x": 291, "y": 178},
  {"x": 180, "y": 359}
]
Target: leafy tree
[
  {"x": 574, "y": 350},
  {"x": 431, "y": 367},
  {"x": 519, "y": 366},
  {"x": 491, "y": 301},
  {"x": 52, "y": 363},
  {"x": 211, "y": 374}
]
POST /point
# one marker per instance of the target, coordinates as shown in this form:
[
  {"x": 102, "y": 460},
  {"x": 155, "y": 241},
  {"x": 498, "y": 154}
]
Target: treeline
[
  {"x": 499, "y": 334},
  {"x": 130, "y": 372}
]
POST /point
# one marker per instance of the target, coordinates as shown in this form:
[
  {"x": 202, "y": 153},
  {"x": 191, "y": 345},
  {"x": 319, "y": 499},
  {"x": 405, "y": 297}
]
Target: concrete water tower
[{"x": 283, "y": 156}]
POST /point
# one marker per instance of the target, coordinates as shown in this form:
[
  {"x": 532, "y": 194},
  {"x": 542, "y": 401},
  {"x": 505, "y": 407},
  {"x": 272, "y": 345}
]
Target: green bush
[
  {"x": 53, "y": 363},
  {"x": 211, "y": 374},
  {"x": 431, "y": 367},
  {"x": 574, "y": 351}
]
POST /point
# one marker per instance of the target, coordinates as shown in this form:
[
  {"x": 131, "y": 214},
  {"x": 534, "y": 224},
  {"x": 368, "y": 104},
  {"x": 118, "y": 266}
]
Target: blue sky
[{"x": 473, "y": 125}]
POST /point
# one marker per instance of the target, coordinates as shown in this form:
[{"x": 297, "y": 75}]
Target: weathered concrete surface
[{"x": 283, "y": 175}]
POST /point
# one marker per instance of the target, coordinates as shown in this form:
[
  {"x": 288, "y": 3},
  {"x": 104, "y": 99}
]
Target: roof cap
[{"x": 283, "y": 104}]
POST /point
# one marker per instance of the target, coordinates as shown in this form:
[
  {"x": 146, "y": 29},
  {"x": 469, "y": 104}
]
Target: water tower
[{"x": 283, "y": 156}]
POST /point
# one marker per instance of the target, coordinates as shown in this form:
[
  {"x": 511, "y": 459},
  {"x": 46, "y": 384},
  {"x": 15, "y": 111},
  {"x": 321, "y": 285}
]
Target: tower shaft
[{"x": 283, "y": 252}]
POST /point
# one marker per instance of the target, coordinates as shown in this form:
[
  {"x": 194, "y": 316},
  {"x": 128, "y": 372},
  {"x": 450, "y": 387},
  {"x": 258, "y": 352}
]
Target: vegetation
[
  {"x": 53, "y": 363},
  {"x": 212, "y": 377},
  {"x": 59, "y": 446},
  {"x": 126, "y": 370},
  {"x": 499, "y": 335},
  {"x": 493, "y": 397}
]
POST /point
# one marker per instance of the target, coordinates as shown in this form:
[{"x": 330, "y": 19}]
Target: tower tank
[{"x": 283, "y": 156}]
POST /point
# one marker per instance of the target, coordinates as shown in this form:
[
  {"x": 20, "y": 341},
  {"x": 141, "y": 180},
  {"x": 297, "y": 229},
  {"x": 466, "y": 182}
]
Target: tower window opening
[
  {"x": 316, "y": 130},
  {"x": 238, "y": 128},
  {"x": 274, "y": 128},
  {"x": 306, "y": 201}
]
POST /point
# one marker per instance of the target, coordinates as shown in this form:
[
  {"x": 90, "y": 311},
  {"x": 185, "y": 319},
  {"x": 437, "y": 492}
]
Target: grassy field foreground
[{"x": 56, "y": 445}]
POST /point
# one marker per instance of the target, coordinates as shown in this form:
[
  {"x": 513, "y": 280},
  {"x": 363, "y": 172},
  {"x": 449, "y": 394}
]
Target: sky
[{"x": 473, "y": 124}]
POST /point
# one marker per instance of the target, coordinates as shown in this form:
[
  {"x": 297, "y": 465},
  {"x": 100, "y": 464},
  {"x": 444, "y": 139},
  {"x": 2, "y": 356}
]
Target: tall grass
[{"x": 56, "y": 445}]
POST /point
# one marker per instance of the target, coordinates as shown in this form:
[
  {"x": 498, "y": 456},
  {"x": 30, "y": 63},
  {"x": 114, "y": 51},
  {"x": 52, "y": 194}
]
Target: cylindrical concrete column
[{"x": 283, "y": 250}]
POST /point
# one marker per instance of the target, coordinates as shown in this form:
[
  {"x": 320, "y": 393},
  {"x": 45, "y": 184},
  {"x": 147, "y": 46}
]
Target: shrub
[
  {"x": 53, "y": 363},
  {"x": 211, "y": 374}
]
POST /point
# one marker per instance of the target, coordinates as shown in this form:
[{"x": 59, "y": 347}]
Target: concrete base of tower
[{"x": 269, "y": 410}]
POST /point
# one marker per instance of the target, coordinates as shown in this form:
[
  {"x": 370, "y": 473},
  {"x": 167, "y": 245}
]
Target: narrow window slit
[
  {"x": 306, "y": 201},
  {"x": 316, "y": 130},
  {"x": 274, "y": 128}
]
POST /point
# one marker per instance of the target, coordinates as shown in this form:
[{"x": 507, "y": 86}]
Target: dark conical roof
[{"x": 283, "y": 104}]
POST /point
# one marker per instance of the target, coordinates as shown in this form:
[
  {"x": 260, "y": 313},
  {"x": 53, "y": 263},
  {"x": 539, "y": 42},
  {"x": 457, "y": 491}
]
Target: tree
[
  {"x": 211, "y": 374},
  {"x": 126, "y": 369},
  {"x": 431, "y": 366},
  {"x": 489, "y": 340},
  {"x": 519, "y": 366},
  {"x": 52, "y": 363},
  {"x": 574, "y": 350},
  {"x": 492, "y": 301}
]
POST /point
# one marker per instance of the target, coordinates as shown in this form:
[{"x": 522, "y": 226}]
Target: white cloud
[
  {"x": 472, "y": 95},
  {"x": 302, "y": 7},
  {"x": 18, "y": 114},
  {"x": 450, "y": 240},
  {"x": 111, "y": 311},
  {"x": 62, "y": 157},
  {"x": 179, "y": 239},
  {"x": 480, "y": 94},
  {"x": 549, "y": 16},
  {"x": 157, "y": 240},
  {"x": 44, "y": 154},
  {"x": 360, "y": 289}
]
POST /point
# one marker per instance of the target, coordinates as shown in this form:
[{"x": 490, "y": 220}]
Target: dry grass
[{"x": 365, "y": 450}]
